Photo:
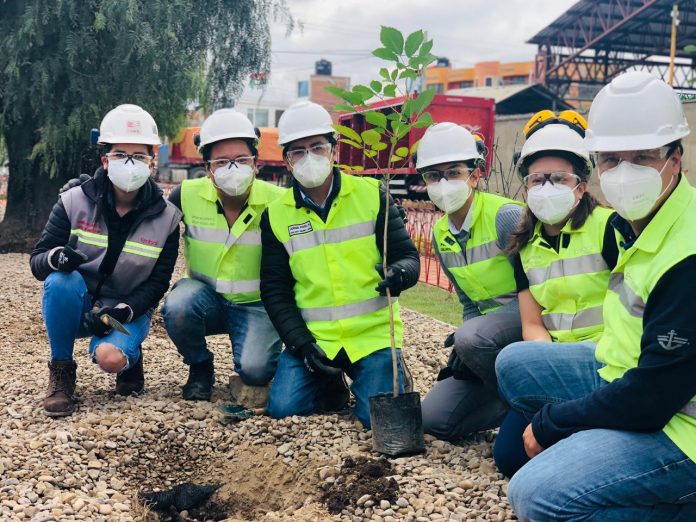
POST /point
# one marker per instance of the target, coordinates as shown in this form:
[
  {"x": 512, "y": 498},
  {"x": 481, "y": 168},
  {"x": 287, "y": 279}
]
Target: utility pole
[{"x": 673, "y": 46}]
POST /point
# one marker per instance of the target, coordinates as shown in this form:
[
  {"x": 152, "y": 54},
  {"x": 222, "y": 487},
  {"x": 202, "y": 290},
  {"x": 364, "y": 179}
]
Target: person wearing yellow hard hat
[
  {"x": 222, "y": 247},
  {"x": 106, "y": 257},
  {"x": 563, "y": 252},
  {"x": 469, "y": 240},
  {"x": 612, "y": 429}
]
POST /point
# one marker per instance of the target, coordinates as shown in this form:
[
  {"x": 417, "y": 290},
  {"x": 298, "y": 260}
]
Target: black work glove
[
  {"x": 96, "y": 326},
  {"x": 455, "y": 366},
  {"x": 393, "y": 280},
  {"x": 402, "y": 213},
  {"x": 68, "y": 258},
  {"x": 74, "y": 182},
  {"x": 316, "y": 361}
]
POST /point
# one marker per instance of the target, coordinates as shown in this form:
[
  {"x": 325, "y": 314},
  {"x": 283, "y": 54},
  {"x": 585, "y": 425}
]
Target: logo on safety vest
[
  {"x": 302, "y": 228},
  {"x": 671, "y": 341}
]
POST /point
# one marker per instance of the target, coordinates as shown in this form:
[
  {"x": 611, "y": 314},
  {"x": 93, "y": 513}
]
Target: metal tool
[{"x": 113, "y": 323}]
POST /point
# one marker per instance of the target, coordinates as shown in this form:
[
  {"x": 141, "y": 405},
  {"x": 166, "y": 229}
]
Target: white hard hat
[
  {"x": 128, "y": 123},
  {"x": 444, "y": 143},
  {"x": 304, "y": 119},
  {"x": 225, "y": 124},
  {"x": 636, "y": 111},
  {"x": 555, "y": 137}
]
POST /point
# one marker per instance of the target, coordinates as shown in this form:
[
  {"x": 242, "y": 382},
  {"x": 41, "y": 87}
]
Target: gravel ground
[{"x": 89, "y": 466}]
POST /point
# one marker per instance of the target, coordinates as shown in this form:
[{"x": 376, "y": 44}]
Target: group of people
[{"x": 577, "y": 329}]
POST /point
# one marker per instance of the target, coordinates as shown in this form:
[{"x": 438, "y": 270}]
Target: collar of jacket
[
  {"x": 150, "y": 201},
  {"x": 335, "y": 192}
]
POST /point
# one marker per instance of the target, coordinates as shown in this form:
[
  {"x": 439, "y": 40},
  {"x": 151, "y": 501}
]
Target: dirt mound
[{"x": 361, "y": 476}]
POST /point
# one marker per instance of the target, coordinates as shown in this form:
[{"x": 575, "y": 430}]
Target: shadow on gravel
[{"x": 358, "y": 477}]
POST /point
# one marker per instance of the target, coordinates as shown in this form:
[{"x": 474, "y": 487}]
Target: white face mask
[
  {"x": 312, "y": 170},
  {"x": 449, "y": 196},
  {"x": 632, "y": 189},
  {"x": 128, "y": 175},
  {"x": 551, "y": 204},
  {"x": 234, "y": 179}
]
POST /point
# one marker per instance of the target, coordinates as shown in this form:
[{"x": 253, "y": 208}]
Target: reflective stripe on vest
[
  {"x": 667, "y": 240},
  {"x": 228, "y": 259},
  {"x": 333, "y": 265},
  {"x": 335, "y": 235},
  {"x": 631, "y": 301},
  {"x": 570, "y": 284},
  {"x": 482, "y": 272},
  {"x": 139, "y": 254}
]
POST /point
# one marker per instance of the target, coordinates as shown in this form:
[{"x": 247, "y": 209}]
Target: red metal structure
[
  {"x": 477, "y": 114},
  {"x": 595, "y": 40}
]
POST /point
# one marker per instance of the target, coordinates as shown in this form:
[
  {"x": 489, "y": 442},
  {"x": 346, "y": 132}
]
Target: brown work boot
[{"x": 60, "y": 396}]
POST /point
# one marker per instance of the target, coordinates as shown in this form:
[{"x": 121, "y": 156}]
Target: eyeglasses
[
  {"x": 546, "y": 117},
  {"x": 246, "y": 161},
  {"x": 120, "y": 156},
  {"x": 645, "y": 158},
  {"x": 320, "y": 149},
  {"x": 538, "y": 179},
  {"x": 458, "y": 172}
]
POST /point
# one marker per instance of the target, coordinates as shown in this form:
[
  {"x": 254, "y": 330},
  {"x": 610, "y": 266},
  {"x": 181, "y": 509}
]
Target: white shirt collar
[{"x": 466, "y": 226}]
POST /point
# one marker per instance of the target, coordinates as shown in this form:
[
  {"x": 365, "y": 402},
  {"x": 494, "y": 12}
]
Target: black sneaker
[
  {"x": 132, "y": 380},
  {"x": 201, "y": 379}
]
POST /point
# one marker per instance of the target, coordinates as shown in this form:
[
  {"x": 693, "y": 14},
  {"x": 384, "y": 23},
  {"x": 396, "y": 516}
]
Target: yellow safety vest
[
  {"x": 228, "y": 259},
  {"x": 570, "y": 284},
  {"x": 333, "y": 264},
  {"x": 482, "y": 272},
  {"x": 668, "y": 239}
]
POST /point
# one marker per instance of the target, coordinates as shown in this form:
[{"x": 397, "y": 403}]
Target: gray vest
[{"x": 138, "y": 257}]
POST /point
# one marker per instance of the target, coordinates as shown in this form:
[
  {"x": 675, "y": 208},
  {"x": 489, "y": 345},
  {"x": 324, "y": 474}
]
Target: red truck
[{"x": 476, "y": 114}]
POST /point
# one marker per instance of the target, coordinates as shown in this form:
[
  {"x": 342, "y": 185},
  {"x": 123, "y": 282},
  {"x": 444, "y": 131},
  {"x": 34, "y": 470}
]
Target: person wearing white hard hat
[
  {"x": 469, "y": 240},
  {"x": 321, "y": 275},
  {"x": 222, "y": 248},
  {"x": 563, "y": 251},
  {"x": 612, "y": 433},
  {"x": 106, "y": 257}
]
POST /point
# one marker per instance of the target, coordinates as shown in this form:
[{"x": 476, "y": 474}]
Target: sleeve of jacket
[
  {"x": 148, "y": 294},
  {"x": 277, "y": 290},
  {"x": 400, "y": 248},
  {"x": 506, "y": 222},
  {"x": 649, "y": 395},
  {"x": 55, "y": 234}
]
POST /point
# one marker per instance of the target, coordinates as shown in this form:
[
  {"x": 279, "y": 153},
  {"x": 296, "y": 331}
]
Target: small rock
[
  {"x": 384, "y": 504},
  {"x": 402, "y": 502}
]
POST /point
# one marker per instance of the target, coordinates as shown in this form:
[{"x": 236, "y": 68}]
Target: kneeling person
[
  {"x": 222, "y": 247},
  {"x": 107, "y": 252},
  {"x": 319, "y": 280}
]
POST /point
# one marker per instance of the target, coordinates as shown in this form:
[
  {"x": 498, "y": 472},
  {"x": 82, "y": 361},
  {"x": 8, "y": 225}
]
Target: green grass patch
[{"x": 434, "y": 302}]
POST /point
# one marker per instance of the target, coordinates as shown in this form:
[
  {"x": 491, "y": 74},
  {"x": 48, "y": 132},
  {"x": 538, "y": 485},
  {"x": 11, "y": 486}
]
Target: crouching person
[
  {"x": 222, "y": 247},
  {"x": 107, "y": 253},
  {"x": 612, "y": 432},
  {"x": 320, "y": 275}
]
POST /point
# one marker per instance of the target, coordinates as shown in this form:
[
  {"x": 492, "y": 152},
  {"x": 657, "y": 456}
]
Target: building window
[
  {"x": 461, "y": 85},
  {"x": 516, "y": 80},
  {"x": 278, "y": 114},
  {"x": 439, "y": 88},
  {"x": 489, "y": 81},
  {"x": 303, "y": 89},
  {"x": 259, "y": 117}
]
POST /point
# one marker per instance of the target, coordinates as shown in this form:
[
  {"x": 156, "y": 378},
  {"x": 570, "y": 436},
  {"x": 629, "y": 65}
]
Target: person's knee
[
  {"x": 256, "y": 374},
  {"x": 110, "y": 358},
  {"x": 437, "y": 425},
  {"x": 279, "y": 408},
  {"x": 508, "y": 361},
  {"x": 61, "y": 282}
]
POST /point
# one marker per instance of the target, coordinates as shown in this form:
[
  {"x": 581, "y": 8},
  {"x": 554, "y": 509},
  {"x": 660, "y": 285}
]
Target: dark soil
[
  {"x": 213, "y": 511},
  {"x": 358, "y": 477}
]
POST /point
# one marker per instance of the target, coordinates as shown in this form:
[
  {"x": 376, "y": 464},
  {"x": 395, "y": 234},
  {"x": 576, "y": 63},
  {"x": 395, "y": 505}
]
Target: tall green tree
[{"x": 65, "y": 63}]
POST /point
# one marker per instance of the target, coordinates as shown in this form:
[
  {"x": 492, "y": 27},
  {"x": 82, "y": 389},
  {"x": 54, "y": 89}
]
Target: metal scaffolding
[{"x": 595, "y": 40}]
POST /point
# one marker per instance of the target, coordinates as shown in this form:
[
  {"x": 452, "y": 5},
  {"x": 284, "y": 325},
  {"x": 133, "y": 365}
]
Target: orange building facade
[{"x": 482, "y": 74}]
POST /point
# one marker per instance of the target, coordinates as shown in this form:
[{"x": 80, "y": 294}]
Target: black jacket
[
  {"x": 149, "y": 203},
  {"x": 277, "y": 281}
]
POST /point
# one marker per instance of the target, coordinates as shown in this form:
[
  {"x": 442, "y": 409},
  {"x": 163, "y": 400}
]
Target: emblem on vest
[
  {"x": 671, "y": 341},
  {"x": 146, "y": 241},
  {"x": 303, "y": 228},
  {"x": 446, "y": 244}
]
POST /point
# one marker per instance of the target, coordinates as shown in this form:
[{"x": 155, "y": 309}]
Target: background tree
[{"x": 65, "y": 63}]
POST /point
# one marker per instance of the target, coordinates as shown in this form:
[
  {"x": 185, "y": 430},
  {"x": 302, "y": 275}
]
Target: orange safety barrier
[{"x": 420, "y": 222}]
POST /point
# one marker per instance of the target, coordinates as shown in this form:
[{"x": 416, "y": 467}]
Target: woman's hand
[{"x": 531, "y": 446}]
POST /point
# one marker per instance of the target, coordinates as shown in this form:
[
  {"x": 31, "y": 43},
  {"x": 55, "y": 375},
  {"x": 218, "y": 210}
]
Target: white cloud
[{"x": 345, "y": 33}]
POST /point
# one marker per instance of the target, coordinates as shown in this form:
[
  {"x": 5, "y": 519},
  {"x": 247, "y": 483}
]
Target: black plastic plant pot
[{"x": 397, "y": 424}]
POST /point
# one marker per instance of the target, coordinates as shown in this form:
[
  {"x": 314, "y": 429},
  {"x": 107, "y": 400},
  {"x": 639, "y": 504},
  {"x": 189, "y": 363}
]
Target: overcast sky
[{"x": 346, "y": 31}]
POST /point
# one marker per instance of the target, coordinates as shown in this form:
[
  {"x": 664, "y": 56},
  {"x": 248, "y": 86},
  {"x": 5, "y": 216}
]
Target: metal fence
[{"x": 420, "y": 222}]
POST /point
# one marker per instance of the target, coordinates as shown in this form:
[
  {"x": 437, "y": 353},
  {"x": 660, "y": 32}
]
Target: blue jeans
[
  {"x": 296, "y": 390},
  {"x": 597, "y": 474},
  {"x": 65, "y": 300},
  {"x": 194, "y": 310}
]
